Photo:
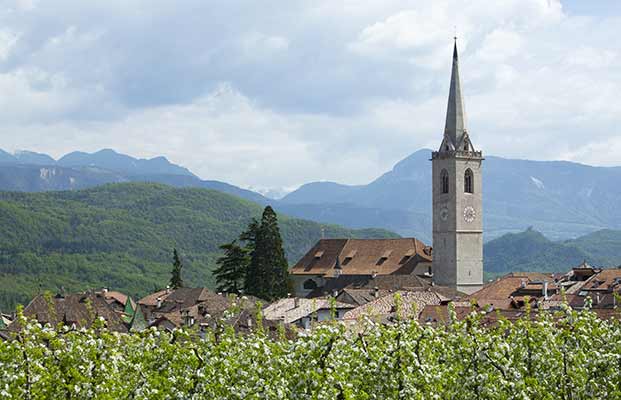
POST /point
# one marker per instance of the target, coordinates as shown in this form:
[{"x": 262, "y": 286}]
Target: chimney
[
  {"x": 296, "y": 302},
  {"x": 545, "y": 290},
  {"x": 597, "y": 299},
  {"x": 376, "y": 292},
  {"x": 523, "y": 284},
  {"x": 188, "y": 320},
  {"x": 104, "y": 290},
  {"x": 167, "y": 289},
  {"x": 159, "y": 302},
  {"x": 335, "y": 293}
]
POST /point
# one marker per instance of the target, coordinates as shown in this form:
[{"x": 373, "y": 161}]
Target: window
[
  {"x": 468, "y": 178},
  {"x": 310, "y": 284},
  {"x": 444, "y": 178}
]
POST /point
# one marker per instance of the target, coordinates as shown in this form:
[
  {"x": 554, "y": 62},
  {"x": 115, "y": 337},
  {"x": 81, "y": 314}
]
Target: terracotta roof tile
[
  {"x": 363, "y": 256},
  {"x": 292, "y": 309},
  {"x": 73, "y": 308},
  {"x": 412, "y": 303}
]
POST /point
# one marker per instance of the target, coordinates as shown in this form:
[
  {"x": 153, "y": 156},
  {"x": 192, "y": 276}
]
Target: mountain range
[
  {"x": 27, "y": 171},
  {"x": 532, "y": 251},
  {"x": 560, "y": 199}
]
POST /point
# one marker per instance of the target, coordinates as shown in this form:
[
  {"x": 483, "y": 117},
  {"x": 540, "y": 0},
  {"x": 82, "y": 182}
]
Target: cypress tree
[
  {"x": 268, "y": 272},
  {"x": 175, "y": 275},
  {"x": 232, "y": 268},
  {"x": 253, "y": 276}
]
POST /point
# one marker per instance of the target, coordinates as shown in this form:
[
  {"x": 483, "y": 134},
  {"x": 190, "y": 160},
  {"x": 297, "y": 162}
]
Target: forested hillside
[
  {"x": 532, "y": 251},
  {"x": 122, "y": 236}
]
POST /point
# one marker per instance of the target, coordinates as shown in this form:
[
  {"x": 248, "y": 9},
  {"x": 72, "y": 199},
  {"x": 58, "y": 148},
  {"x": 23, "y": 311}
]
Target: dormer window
[
  {"x": 349, "y": 257},
  {"x": 318, "y": 254},
  {"x": 384, "y": 257}
]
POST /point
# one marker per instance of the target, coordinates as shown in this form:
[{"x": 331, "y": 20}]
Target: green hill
[
  {"x": 532, "y": 251},
  {"x": 122, "y": 235}
]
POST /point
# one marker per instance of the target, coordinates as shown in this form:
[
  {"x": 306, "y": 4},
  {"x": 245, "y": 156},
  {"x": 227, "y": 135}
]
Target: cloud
[{"x": 274, "y": 94}]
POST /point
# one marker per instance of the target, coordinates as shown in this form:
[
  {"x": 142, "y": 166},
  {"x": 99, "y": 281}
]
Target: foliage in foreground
[{"x": 571, "y": 356}]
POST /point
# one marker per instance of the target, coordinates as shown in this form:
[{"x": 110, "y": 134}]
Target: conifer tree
[
  {"x": 176, "y": 281},
  {"x": 268, "y": 272},
  {"x": 232, "y": 268},
  {"x": 249, "y": 237}
]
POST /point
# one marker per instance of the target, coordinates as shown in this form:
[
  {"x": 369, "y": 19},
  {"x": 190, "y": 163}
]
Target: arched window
[
  {"x": 444, "y": 179},
  {"x": 468, "y": 181}
]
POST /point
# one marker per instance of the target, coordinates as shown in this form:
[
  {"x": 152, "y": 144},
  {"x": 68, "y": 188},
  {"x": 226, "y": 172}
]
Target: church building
[
  {"x": 455, "y": 261},
  {"x": 457, "y": 199}
]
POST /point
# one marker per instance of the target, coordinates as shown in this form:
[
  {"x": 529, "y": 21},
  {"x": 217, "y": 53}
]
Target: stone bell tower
[{"x": 457, "y": 200}]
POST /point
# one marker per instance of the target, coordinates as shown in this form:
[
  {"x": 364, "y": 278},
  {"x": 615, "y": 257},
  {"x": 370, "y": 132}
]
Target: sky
[{"x": 272, "y": 94}]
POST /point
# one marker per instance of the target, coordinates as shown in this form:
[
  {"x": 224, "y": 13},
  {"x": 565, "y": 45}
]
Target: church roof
[
  {"x": 455, "y": 113},
  {"x": 363, "y": 257}
]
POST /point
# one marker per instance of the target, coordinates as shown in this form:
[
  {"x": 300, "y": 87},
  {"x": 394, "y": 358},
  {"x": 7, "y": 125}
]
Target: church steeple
[
  {"x": 457, "y": 199},
  {"x": 455, "y": 127}
]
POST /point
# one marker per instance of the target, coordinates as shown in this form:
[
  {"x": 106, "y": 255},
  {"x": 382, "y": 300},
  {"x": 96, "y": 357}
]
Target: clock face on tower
[
  {"x": 444, "y": 213},
  {"x": 469, "y": 214}
]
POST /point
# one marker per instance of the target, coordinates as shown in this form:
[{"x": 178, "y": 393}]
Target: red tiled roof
[
  {"x": 412, "y": 303},
  {"x": 607, "y": 279},
  {"x": 363, "y": 256},
  {"x": 71, "y": 309},
  {"x": 501, "y": 292}
]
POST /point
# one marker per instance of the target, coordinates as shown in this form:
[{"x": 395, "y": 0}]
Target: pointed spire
[{"x": 455, "y": 113}]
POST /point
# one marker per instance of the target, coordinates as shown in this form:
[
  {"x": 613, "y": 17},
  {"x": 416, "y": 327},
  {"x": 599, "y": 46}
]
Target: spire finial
[{"x": 455, "y": 114}]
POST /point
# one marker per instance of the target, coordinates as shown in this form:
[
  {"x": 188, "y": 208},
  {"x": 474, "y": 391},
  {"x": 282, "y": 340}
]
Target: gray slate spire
[{"x": 455, "y": 112}]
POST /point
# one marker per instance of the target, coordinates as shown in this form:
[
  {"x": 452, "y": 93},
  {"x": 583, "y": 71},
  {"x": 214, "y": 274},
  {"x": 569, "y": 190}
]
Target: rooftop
[{"x": 363, "y": 257}]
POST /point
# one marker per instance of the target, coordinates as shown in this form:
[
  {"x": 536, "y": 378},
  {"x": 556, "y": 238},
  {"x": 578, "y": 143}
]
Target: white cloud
[
  {"x": 275, "y": 94},
  {"x": 8, "y": 40}
]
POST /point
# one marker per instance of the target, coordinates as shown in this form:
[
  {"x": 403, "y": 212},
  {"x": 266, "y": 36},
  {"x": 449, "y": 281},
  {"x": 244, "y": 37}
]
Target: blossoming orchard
[{"x": 569, "y": 355}]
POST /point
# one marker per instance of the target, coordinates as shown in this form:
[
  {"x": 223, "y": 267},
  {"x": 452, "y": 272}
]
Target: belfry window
[
  {"x": 444, "y": 178},
  {"x": 468, "y": 181}
]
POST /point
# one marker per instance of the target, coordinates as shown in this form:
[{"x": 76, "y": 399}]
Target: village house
[
  {"x": 333, "y": 264},
  {"x": 76, "y": 310},
  {"x": 304, "y": 312},
  {"x": 169, "y": 309},
  {"x": 201, "y": 308},
  {"x": 392, "y": 306}
]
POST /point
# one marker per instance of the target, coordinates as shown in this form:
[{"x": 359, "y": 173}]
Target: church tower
[{"x": 457, "y": 199}]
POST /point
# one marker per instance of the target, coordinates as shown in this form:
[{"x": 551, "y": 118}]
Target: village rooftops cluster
[
  {"x": 507, "y": 297},
  {"x": 200, "y": 308}
]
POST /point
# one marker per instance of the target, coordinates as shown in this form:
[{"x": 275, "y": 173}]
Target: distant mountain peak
[
  {"x": 112, "y": 160},
  {"x": 31, "y": 157}
]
